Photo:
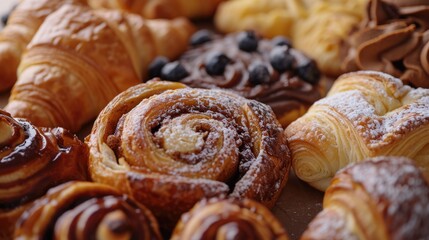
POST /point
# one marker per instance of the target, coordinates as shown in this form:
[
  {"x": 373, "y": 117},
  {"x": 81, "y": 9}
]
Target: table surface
[{"x": 297, "y": 205}]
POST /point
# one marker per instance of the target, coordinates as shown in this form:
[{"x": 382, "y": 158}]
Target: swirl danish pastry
[
  {"x": 169, "y": 146},
  {"x": 219, "y": 218},
  {"x": 365, "y": 114},
  {"x": 85, "y": 210},
  {"x": 380, "y": 198},
  {"x": 33, "y": 160}
]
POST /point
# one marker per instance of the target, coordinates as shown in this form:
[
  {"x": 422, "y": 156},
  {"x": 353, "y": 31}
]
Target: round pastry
[
  {"x": 84, "y": 210},
  {"x": 169, "y": 146},
  {"x": 32, "y": 160},
  {"x": 270, "y": 71},
  {"x": 380, "y": 198},
  {"x": 219, "y": 218}
]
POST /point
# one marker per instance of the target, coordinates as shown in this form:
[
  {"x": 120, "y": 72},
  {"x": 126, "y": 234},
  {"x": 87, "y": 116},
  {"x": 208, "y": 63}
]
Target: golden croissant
[
  {"x": 80, "y": 59},
  {"x": 380, "y": 198},
  {"x": 365, "y": 114}
]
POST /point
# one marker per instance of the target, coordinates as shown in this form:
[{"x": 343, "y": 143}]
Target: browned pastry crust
[
  {"x": 169, "y": 146},
  {"x": 219, "y": 218},
  {"x": 33, "y": 160},
  {"x": 84, "y": 210},
  {"x": 381, "y": 198}
]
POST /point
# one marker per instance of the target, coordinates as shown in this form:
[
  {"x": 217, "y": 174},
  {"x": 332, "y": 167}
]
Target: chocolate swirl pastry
[
  {"x": 32, "y": 160},
  {"x": 84, "y": 210},
  {"x": 270, "y": 71},
  {"x": 219, "y": 218},
  {"x": 169, "y": 146},
  {"x": 380, "y": 198}
]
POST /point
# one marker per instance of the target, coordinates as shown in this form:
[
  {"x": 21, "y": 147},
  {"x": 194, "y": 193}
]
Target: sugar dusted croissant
[
  {"x": 20, "y": 29},
  {"x": 381, "y": 198},
  {"x": 365, "y": 114},
  {"x": 170, "y": 146},
  {"x": 80, "y": 59},
  {"x": 219, "y": 218},
  {"x": 84, "y": 210},
  {"x": 31, "y": 161}
]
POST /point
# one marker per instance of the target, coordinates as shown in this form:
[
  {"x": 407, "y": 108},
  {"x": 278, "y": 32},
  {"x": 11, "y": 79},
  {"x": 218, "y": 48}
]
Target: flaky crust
[
  {"x": 380, "y": 198},
  {"x": 169, "y": 146},
  {"x": 80, "y": 59},
  {"x": 366, "y": 114}
]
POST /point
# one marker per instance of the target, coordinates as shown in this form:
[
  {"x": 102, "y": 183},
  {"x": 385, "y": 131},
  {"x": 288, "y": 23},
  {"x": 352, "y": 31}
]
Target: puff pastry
[
  {"x": 84, "y": 210},
  {"x": 169, "y": 146},
  {"x": 219, "y": 218},
  {"x": 31, "y": 161},
  {"x": 381, "y": 198},
  {"x": 20, "y": 29},
  {"x": 365, "y": 114},
  {"x": 80, "y": 59}
]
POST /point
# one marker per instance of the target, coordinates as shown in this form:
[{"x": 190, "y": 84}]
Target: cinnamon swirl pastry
[
  {"x": 84, "y": 210},
  {"x": 32, "y": 160},
  {"x": 381, "y": 198},
  {"x": 169, "y": 146},
  {"x": 219, "y": 218}
]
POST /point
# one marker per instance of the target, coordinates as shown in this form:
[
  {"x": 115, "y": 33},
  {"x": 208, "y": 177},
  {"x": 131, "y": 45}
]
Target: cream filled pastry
[{"x": 393, "y": 38}]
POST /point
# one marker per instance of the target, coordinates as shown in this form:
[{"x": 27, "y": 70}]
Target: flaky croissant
[
  {"x": 31, "y": 161},
  {"x": 170, "y": 146},
  {"x": 22, "y": 24},
  {"x": 381, "y": 198},
  {"x": 365, "y": 114},
  {"x": 85, "y": 210},
  {"x": 80, "y": 59}
]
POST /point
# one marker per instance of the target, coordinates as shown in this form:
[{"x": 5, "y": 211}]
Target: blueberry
[
  {"x": 281, "y": 41},
  {"x": 258, "y": 74},
  {"x": 247, "y": 41},
  {"x": 201, "y": 37},
  {"x": 308, "y": 72},
  {"x": 216, "y": 64},
  {"x": 174, "y": 71},
  {"x": 155, "y": 67},
  {"x": 281, "y": 59}
]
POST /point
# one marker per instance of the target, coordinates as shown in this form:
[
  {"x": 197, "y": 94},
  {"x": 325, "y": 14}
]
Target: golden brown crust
[{"x": 169, "y": 146}]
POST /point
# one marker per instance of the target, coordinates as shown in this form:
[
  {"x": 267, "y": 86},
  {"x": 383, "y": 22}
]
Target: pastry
[
  {"x": 80, "y": 59},
  {"x": 22, "y": 25},
  {"x": 162, "y": 8},
  {"x": 84, "y": 210},
  {"x": 219, "y": 218},
  {"x": 365, "y": 114},
  {"x": 270, "y": 71},
  {"x": 169, "y": 146},
  {"x": 380, "y": 198},
  {"x": 393, "y": 38},
  {"x": 31, "y": 161}
]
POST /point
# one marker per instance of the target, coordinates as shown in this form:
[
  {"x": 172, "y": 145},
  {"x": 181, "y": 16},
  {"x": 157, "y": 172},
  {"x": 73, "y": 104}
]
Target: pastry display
[
  {"x": 393, "y": 38},
  {"x": 169, "y": 146},
  {"x": 80, "y": 59},
  {"x": 162, "y": 8},
  {"x": 23, "y": 23},
  {"x": 380, "y": 198},
  {"x": 270, "y": 71},
  {"x": 365, "y": 114},
  {"x": 219, "y": 218},
  {"x": 84, "y": 210},
  {"x": 31, "y": 161}
]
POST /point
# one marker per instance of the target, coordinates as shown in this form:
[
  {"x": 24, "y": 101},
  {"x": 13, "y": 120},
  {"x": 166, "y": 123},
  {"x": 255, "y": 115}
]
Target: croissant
[
  {"x": 20, "y": 29},
  {"x": 365, "y": 114},
  {"x": 219, "y": 218},
  {"x": 161, "y": 8},
  {"x": 80, "y": 59},
  {"x": 380, "y": 198},
  {"x": 31, "y": 161},
  {"x": 84, "y": 210},
  {"x": 169, "y": 146}
]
